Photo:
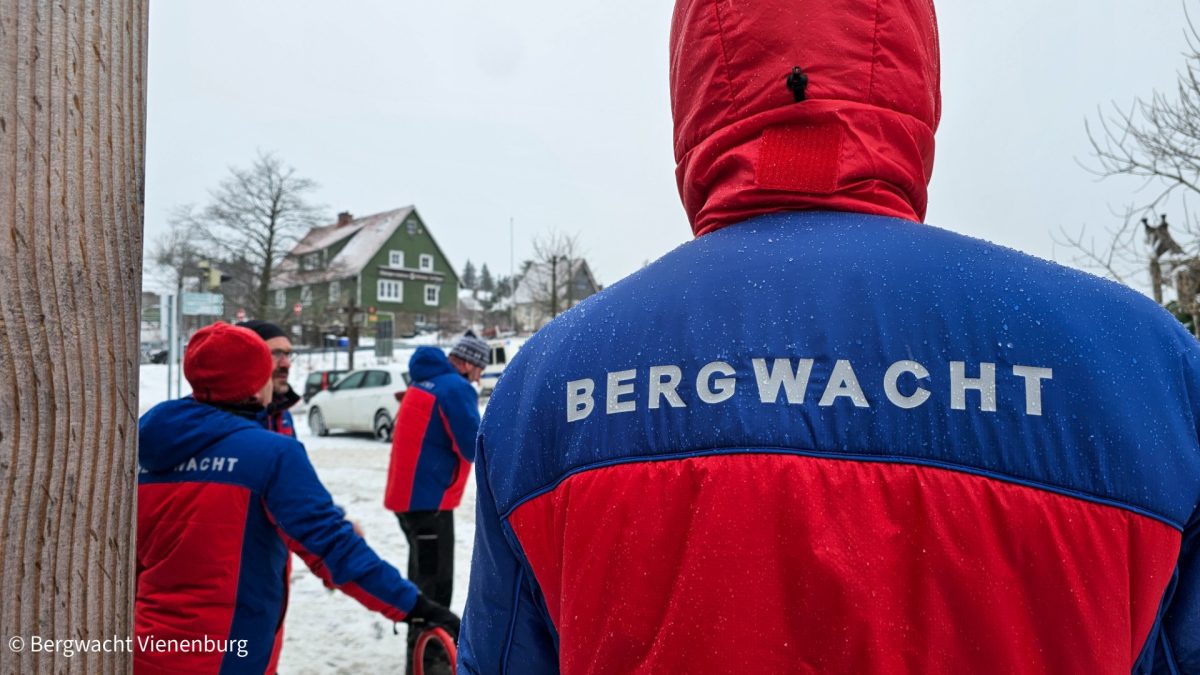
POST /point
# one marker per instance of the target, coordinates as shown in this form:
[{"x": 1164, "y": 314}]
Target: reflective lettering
[
  {"x": 725, "y": 385},
  {"x": 579, "y": 399},
  {"x": 1033, "y": 386},
  {"x": 985, "y": 384},
  {"x": 617, "y": 388},
  {"x": 892, "y": 377},
  {"x": 780, "y": 375},
  {"x": 663, "y": 381},
  {"x": 843, "y": 382}
]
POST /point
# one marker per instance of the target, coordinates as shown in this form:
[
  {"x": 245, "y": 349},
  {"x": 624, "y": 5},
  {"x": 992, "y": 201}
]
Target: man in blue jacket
[
  {"x": 433, "y": 446},
  {"x": 220, "y": 500},
  {"x": 824, "y": 436}
]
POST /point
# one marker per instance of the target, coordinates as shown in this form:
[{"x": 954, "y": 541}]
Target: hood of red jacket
[{"x": 862, "y": 138}]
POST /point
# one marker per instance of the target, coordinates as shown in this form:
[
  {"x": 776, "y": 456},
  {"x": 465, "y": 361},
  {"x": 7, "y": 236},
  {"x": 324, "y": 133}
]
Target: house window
[
  {"x": 391, "y": 291},
  {"x": 396, "y": 259},
  {"x": 311, "y": 261},
  {"x": 426, "y": 262},
  {"x": 411, "y": 226},
  {"x": 280, "y": 299},
  {"x": 432, "y": 292},
  {"x": 306, "y": 295},
  {"x": 419, "y": 319},
  {"x": 335, "y": 292}
]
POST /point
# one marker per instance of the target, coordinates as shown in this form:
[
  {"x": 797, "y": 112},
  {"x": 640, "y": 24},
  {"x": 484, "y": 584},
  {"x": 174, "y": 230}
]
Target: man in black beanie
[{"x": 278, "y": 419}]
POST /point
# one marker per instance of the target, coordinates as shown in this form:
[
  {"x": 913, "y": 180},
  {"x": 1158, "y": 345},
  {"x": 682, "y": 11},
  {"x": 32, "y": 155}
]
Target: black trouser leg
[{"x": 430, "y": 537}]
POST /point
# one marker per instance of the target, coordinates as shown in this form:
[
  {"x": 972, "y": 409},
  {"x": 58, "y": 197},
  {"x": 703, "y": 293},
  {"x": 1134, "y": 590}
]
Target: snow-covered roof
[
  {"x": 369, "y": 234},
  {"x": 468, "y": 303}
]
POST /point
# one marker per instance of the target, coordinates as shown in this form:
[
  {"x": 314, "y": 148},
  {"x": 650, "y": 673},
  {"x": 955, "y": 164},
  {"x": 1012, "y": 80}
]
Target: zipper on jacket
[{"x": 797, "y": 82}]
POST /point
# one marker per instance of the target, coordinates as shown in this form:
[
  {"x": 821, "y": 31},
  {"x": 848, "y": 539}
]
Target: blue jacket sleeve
[
  {"x": 505, "y": 625},
  {"x": 1181, "y": 621},
  {"x": 460, "y": 405},
  {"x": 305, "y": 514}
]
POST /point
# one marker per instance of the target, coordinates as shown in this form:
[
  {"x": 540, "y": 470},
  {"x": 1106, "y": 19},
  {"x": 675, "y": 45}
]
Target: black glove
[{"x": 427, "y": 614}]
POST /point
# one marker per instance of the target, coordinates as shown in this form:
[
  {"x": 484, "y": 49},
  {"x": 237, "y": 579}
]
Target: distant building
[
  {"x": 151, "y": 319},
  {"x": 545, "y": 291},
  {"x": 379, "y": 268}
]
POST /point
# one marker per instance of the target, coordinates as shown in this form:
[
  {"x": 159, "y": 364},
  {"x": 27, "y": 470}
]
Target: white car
[
  {"x": 502, "y": 351},
  {"x": 363, "y": 400}
]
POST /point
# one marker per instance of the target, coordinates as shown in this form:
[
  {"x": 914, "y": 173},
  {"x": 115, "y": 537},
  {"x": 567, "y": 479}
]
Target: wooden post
[
  {"x": 72, "y": 108},
  {"x": 1156, "y": 280}
]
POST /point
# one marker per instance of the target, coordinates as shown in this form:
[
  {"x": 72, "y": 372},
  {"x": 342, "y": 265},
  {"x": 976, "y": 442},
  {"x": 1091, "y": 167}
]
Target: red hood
[{"x": 862, "y": 140}]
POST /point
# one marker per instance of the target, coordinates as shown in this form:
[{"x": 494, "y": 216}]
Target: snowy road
[{"x": 328, "y": 632}]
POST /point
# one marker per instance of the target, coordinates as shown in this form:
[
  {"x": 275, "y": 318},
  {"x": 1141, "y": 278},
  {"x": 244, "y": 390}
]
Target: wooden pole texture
[{"x": 72, "y": 130}]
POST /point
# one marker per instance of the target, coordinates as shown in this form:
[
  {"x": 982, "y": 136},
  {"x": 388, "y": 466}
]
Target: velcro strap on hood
[{"x": 834, "y": 155}]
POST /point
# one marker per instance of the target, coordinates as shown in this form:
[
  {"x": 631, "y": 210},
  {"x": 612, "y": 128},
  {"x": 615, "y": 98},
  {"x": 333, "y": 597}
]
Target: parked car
[
  {"x": 362, "y": 400},
  {"x": 320, "y": 380},
  {"x": 502, "y": 351}
]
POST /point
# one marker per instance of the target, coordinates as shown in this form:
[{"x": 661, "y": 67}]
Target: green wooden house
[{"x": 378, "y": 268}]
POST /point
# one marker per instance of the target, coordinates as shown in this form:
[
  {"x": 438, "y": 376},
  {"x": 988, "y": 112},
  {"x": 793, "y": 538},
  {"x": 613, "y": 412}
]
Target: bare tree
[
  {"x": 1157, "y": 140},
  {"x": 176, "y": 253},
  {"x": 72, "y": 111},
  {"x": 549, "y": 277},
  {"x": 256, "y": 215}
]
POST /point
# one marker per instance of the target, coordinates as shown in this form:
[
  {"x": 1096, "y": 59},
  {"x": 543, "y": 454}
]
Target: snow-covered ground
[{"x": 326, "y": 631}]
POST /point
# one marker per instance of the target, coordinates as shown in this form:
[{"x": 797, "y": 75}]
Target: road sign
[
  {"x": 298, "y": 308},
  {"x": 241, "y": 315},
  {"x": 203, "y": 304}
]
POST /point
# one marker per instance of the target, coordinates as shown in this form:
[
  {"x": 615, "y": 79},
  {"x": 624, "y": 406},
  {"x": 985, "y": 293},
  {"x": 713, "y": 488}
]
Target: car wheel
[
  {"x": 316, "y": 422},
  {"x": 383, "y": 427}
]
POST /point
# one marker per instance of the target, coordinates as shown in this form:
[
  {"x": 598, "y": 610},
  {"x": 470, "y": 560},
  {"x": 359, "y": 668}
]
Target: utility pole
[
  {"x": 553, "y": 286},
  {"x": 512, "y": 281},
  {"x": 72, "y": 138},
  {"x": 351, "y": 311}
]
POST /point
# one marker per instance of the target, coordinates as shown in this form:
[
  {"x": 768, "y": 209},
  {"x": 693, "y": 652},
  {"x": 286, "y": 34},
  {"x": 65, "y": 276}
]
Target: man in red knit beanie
[
  {"x": 228, "y": 364},
  {"x": 220, "y": 502}
]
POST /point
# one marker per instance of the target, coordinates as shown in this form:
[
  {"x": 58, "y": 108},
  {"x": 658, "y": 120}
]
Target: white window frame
[
  {"x": 335, "y": 292},
  {"x": 388, "y": 296},
  {"x": 396, "y": 259},
  {"x": 280, "y": 298},
  {"x": 437, "y": 294},
  {"x": 426, "y": 262},
  {"x": 306, "y": 295}
]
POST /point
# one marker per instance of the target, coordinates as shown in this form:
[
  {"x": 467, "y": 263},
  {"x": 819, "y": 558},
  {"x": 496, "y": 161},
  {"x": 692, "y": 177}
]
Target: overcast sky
[{"x": 556, "y": 114}]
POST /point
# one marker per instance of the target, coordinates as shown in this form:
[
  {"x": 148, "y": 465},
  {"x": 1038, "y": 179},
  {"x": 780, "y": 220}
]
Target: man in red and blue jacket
[
  {"x": 824, "y": 436},
  {"x": 278, "y": 415},
  {"x": 220, "y": 499},
  {"x": 433, "y": 445}
]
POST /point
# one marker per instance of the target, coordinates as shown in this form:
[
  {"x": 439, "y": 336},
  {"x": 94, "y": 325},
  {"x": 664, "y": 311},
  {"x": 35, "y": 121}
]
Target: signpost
[
  {"x": 203, "y": 304},
  {"x": 384, "y": 345}
]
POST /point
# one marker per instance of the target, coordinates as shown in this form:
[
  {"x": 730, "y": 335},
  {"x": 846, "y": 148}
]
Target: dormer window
[{"x": 310, "y": 262}]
